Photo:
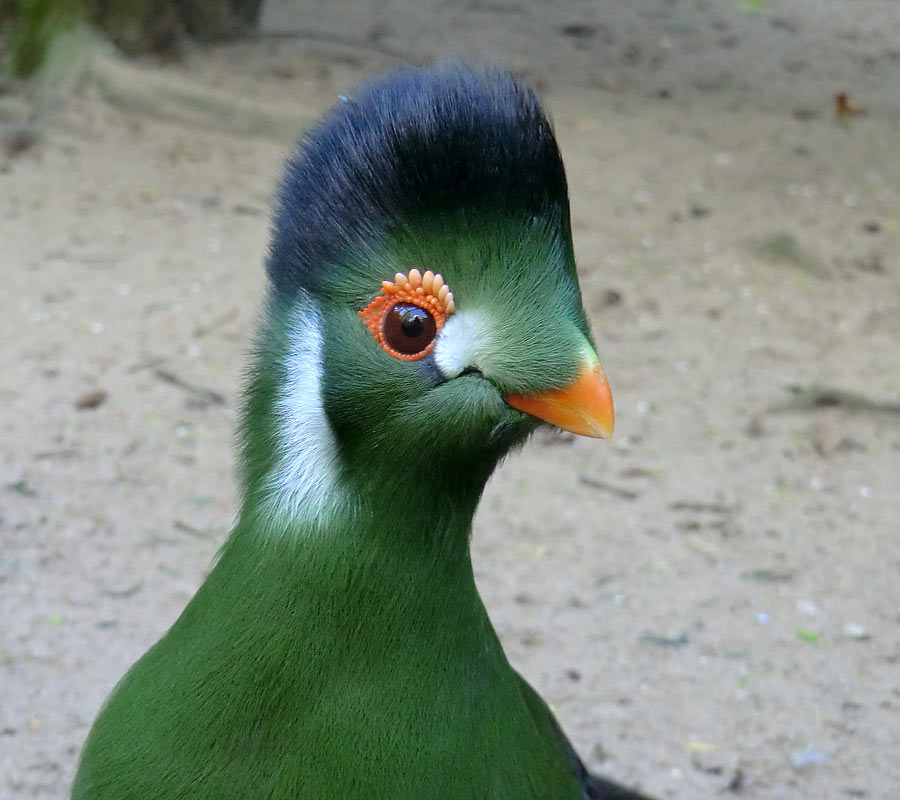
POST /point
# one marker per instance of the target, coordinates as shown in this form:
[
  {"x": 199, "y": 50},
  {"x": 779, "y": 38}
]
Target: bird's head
[{"x": 424, "y": 313}]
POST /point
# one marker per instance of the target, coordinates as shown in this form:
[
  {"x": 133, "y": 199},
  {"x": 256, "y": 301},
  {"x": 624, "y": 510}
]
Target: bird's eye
[
  {"x": 407, "y": 316},
  {"x": 408, "y": 329}
]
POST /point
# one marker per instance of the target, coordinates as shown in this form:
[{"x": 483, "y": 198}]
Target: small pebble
[
  {"x": 856, "y": 631},
  {"x": 808, "y": 607},
  {"x": 808, "y": 757},
  {"x": 91, "y": 400}
]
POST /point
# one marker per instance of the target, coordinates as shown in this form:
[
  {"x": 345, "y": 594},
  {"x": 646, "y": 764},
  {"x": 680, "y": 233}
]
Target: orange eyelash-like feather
[{"x": 427, "y": 291}]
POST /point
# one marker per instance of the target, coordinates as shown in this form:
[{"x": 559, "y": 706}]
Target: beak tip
[{"x": 605, "y": 430}]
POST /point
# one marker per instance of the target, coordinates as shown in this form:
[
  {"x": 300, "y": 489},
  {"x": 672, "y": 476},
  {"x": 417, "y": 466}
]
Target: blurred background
[{"x": 710, "y": 600}]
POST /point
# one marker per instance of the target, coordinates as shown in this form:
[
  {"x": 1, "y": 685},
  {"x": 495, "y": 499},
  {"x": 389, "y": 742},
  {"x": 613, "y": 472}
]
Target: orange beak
[{"x": 584, "y": 407}]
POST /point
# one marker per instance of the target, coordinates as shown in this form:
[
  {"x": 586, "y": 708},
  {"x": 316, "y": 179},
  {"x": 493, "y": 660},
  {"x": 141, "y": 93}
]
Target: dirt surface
[{"x": 710, "y": 601}]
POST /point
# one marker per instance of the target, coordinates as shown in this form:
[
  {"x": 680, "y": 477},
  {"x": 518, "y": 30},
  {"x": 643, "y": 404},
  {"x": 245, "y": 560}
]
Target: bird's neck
[
  {"x": 407, "y": 542},
  {"x": 383, "y": 591}
]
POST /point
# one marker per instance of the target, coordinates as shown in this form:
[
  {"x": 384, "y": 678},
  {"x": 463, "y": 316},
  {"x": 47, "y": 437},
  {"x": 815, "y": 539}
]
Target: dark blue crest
[{"x": 410, "y": 144}]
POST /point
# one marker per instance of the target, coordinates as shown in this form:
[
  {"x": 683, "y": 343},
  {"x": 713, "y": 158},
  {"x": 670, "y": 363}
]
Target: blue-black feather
[{"x": 410, "y": 145}]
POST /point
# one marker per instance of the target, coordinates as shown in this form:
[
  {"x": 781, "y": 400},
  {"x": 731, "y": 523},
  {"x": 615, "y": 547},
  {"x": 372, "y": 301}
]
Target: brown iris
[{"x": 409, "y": 329}]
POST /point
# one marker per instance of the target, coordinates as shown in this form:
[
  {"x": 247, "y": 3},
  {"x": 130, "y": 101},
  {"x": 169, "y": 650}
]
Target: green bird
[{"x": 423, "y": 318}]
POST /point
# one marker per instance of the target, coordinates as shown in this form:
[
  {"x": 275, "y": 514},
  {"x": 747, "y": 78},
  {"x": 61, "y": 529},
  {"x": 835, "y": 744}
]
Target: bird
[{"x": 423, "y": 318}]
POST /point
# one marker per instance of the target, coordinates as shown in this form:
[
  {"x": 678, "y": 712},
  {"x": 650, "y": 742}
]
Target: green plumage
[
  {"x": 339, "y": 648},
  {"x": 337, "y": 677}
]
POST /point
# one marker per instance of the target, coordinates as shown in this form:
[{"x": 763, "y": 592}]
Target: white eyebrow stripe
[{"x": 461, "y": 343}]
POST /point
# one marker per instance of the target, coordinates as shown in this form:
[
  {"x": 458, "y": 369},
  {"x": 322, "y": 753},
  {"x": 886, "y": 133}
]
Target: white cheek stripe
[
  {"x": 461, "y": 344},
  {"x": 304, "y": 485}
]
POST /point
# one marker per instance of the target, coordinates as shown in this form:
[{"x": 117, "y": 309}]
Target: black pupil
[
  {"x": 409, "y": 329},
  {"x": 411, "y": 323}
]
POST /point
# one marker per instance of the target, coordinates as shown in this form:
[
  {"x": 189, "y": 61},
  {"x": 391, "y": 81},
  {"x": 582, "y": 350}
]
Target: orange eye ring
[{"x": 427, "y": 292}]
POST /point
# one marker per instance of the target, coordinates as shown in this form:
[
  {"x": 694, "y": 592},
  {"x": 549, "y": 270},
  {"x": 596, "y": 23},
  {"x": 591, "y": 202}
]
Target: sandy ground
[{"x": 711, "y": 600}]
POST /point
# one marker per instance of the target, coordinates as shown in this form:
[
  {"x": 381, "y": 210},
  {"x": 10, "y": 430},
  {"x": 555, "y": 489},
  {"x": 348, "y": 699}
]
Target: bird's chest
[
  {"x": 422, "y": 736},
  {"x": 403, "y": 706}
]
